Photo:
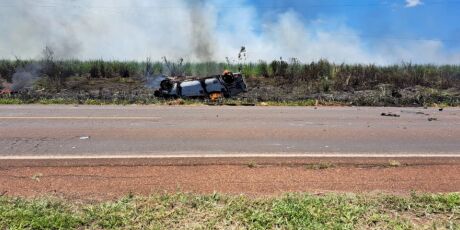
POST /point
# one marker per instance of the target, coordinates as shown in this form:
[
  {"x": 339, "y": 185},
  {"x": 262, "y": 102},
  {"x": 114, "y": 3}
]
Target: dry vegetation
[{"x": 278, "y": 82}]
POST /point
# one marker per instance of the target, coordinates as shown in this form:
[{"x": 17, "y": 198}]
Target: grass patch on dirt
[
  {"x": 320, "y": 166},
  {"x": 189, "y": 211}
]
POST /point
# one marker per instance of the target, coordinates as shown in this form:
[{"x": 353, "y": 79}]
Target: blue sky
[
  {"x": 350, "y": 31},
  {"x": 375, "y": 20}
]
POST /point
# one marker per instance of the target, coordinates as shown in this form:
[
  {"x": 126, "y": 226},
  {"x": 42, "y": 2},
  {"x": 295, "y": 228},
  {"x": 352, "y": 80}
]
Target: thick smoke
[
  {"x": 29, "y": 27},
  {"x": 197, "y": 30}
]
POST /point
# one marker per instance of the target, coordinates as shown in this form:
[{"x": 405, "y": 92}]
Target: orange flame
[{"x": 215, "y": 96}]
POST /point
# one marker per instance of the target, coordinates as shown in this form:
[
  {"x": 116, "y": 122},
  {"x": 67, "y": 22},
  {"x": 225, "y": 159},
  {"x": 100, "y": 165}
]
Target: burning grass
[{"x": 190, "y": 211}]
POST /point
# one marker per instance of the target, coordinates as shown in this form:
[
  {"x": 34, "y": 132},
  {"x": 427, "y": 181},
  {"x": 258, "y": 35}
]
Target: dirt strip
[{"x": 270, "y": 177}]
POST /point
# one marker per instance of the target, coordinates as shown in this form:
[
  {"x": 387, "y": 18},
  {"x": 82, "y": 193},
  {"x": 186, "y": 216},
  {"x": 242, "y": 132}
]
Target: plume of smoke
[
  {"x": 152, "y": 81},
  {"x": 201, "y": 31},
  {"x": 30, "y": 29},
  {"x": 133, "y": 30},
  {"x": 24, "y": 78}
]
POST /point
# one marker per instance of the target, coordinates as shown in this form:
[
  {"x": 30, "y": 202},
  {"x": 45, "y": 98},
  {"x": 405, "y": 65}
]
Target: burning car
[{"x": 214, "y": 87}]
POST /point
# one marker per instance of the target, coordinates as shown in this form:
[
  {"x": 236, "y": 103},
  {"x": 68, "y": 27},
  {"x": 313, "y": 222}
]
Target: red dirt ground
[{"x": 110, "y": 182}]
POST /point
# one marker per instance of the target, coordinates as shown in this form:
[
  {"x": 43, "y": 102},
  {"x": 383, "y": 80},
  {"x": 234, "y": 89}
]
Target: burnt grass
[
  {"x": 98, "y": 82},
  {"x": 380, "y": 95}
]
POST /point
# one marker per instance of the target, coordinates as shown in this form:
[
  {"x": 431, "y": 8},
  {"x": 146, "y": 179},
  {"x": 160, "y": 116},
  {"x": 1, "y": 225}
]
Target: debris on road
[
  {"x": 84, "y": 138},
  {"x": 415, "y": 112},
  {"x": 390, "y": 115},
  {"x": 432, "y": 119}
]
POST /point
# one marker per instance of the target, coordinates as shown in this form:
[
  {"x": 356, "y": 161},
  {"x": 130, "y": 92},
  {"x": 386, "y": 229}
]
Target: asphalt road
[{"x": 39, "y": 130}]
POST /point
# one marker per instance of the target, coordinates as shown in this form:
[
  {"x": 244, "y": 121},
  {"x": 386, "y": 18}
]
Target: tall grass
[{"x": 325, "y": 75}]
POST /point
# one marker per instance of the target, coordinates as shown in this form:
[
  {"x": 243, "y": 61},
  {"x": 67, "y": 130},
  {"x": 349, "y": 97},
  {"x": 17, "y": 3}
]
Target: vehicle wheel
[
  {"x": 228, "y": 79},
  {"x": 166, "y": 85}
]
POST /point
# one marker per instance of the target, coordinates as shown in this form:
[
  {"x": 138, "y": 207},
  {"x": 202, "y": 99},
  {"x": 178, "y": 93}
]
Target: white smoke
[
  {"x": 25, "y": 77},
  {"x": 197, "y": 30}
]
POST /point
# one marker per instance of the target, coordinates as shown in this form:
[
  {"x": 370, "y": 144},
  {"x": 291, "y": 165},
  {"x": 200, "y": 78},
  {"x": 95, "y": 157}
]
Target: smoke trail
[{"x": 201, "y": 31}]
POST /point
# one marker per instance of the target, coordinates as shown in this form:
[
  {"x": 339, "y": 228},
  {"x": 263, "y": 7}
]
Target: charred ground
[{"x": 279, "y": 81}]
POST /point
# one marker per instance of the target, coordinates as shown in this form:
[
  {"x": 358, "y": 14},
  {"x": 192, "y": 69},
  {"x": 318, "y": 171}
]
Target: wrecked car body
[{"x": 213, "y": 87}]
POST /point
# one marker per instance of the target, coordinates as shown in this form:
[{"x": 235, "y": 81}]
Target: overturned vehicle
[{"x": 214, "y": 87}]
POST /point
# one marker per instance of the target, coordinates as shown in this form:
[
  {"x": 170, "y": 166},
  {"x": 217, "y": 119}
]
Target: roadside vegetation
[
  {"x": 278, "y": 82},
  {"x": 187, "y": 211}
]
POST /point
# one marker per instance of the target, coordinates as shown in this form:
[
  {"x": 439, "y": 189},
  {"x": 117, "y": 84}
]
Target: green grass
[
  {"x": 289, "y": 103},
  {"x": 10, "y": 101},
  {"x": 69, "y": 101},
  {"x": 188, "y": 211},
  {"x": 175, "y": 102}
]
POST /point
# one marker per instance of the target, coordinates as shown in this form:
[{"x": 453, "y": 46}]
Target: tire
[
  {"x": 166, "y": 85},
  {"x": 228, "y": 79}
]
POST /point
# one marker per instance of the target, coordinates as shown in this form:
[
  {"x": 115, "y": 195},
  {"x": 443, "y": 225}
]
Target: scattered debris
[
  {"x": 390, "y": 115},
  {"x": 252, "y": 165},
  {"x": 432, "y": 119},
  {"x": 441, "y": 109},
  {"x": 413, "y": 112},
  {"x": 84, "y": 138}
]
